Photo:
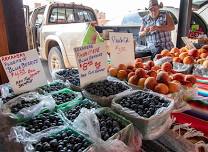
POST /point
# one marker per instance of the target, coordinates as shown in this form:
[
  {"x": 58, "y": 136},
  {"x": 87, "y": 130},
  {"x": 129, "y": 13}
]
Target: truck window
[
  {"x": 85, "y": 15},
  {"x": 39, "y": 16},
  {"x": 61, "y": 15}
]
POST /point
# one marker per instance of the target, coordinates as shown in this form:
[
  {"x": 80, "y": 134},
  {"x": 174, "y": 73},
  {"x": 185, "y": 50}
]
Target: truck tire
[{"x": 55, "y": 59}]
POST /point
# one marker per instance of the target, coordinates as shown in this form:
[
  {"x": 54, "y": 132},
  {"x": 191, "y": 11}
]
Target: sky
[{"x": 112, "y": 8}]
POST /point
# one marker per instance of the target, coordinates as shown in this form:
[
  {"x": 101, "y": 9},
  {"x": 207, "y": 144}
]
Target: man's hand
[
  {"x": 154, "y": 28},
  {"x": 146, "y": 29}
]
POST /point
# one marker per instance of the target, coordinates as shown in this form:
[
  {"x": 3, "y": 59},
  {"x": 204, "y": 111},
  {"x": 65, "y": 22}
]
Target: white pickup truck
[{"x": 55, "y": 29}]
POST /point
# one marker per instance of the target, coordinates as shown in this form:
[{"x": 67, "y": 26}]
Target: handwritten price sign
[
  {"x": 24, "y": 71},
  {"x": 122, "y": 48},
  {"x": 92, "y": 63}
]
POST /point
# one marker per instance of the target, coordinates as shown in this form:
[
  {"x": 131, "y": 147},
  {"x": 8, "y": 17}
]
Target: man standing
[{"x": 156, "y": 28}]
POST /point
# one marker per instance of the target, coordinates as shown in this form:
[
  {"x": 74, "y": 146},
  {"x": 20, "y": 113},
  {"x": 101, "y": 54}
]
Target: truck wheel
[{"x": 55, "y": 59}]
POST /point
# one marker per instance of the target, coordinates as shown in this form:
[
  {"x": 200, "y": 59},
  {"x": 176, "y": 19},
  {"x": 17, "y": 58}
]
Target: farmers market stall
[{"x": 123, "y": 105}]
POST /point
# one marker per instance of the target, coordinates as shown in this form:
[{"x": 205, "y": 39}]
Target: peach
[
  {"x": 205, "y": 47},
  {"x": 141, "y": 82},
  {"x": 165, "y": 53},
  {"x": 122, "y": 67},
  {"x": 176, "y": 54},
  {"x": 200, "y": 61},
  {"x": 179, "y": 77},
  {"x": 183, "y": 49},
  {"x": 193, "y": 53},
  {"x": 188, "y": 60},
  {"x": 147, "y": 67},
  {"x": 152, "y": 73},
  {"x": 131, "y": 67},
  {"x": 187, "y": 84},
  {"x": 133, "y": 80},
  {"x": 161, "y": 88},
  {"x": 109, "y": 66},
  {"x": 140, "y": 73},
  {"x": 183, "y": 55},
  {"x": 205, "y": 64},
  {"x": 122, "y": 74},
  {"x": 190, "y": 78},
  {"x": 150, "y": 64},
  {"x": 113, "y": 71},
  {"x": 128, "y": 71},
  {"x": 138, "y": 60},
  {"x": 167, "y": 67},
  {"x": 202, "y": 50},
  {"x": 176, "y": 82},
  {"x": 173, "y": 87},
  {"x": 138, "y": 65},
  {"x": 158, "y": 56},
  {"x": 131, "y": 74},
  {"x": 174, "y": 50},
  {"x": 203, "y": 55},
  {"x": 163, "y": 77},
  {"x": 155, "y": 68},
  {"x": 150, "y": 83},
  {"x": 177, "y": 59}
]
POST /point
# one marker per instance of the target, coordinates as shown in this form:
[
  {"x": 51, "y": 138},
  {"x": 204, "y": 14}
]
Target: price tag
[
  {"x": 122, "y": 48},
  {"x": 188, "y": 43},
  {"x": 91, "y": 62},
  {"x": 24, "y": 71}
]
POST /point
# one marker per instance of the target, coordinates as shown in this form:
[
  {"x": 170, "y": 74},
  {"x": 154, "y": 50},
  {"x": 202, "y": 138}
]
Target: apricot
[
  {"x": 179, "y": 77},
  {"x": 158, "y": 56},
  {"x": 177, "y": 59},
  {"x": 163, "y": 77},
  {"x": 133, "y": 80},
  {"x": 203, "y": 55},
  {"x": 138, "y": 65},
  {"x": 141, "y": 82},
  {"x": 122, "y": 74},
  {"x": 190, "y": 78},
  {"x": 122, "y": 67},
  {"x": 183, "y": 55},
  {"x": 150, "y": 64},
  {"x": 205, "y": 64},
  {"x": 131, "y": 74},
  {"x": 113, "y": 71},
  {"x": 152, "y": 73},
  {"x": 167, "y": 67},
  {"x": 161, "y": 88},
  {"x": 165, "y": 53},
  {"x": 140, "y": 73},
  {"x": 173, "y": 87},
  {"x": 174, "y": 50},
  {"x": 188, "y": 60},
  {"x": 138, "y": 60},
  {"x": 150, "y": 83}
]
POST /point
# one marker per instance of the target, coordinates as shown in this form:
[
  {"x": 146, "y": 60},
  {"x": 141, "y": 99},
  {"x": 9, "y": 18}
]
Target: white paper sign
[
  {"x": 91, "y": 62},
  {"x": 122, "y": 48},
  {"x": 24, "y": 71}
]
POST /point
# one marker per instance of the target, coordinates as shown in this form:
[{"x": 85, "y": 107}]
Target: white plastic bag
[
  {"x": 163, "y": 60},
  {"x": 183, "y": 68}
]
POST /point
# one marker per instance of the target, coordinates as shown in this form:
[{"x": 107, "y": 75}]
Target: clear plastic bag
[
  {"x": 46, "y": 102},
  {"x": 200, "y": 70},
  {"x": 145, "y": 125},
  {"x": 163, "y": 60},
  {"x": 104, "y": 101},
  {"x": 183, "y": 68},
  {"x": 129, "y": 138},
  {"x": 6, "y": 90}
]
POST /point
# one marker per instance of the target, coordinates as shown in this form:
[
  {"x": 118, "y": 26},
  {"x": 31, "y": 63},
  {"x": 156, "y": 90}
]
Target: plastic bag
[
  {"x": 46, "y": 102},
  {"x": 145, "y": 125},
  {"x": 200, "y": 70},
  {"x": 183, "y": 68},
  {"x": 104, "y": 101},
  {"x": 163, "y": 60},
  {"x": 6, "y": 90},
  {"x": 88, "y": 124}
]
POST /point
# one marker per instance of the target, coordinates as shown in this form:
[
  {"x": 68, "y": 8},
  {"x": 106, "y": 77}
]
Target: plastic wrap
[
  {"x": 163, "y": 60},
  {"x": 200, "y": 70},
  {"x": 46, "y": 102},
  {"x": 145, "y": 125},
  {"x": 104, "y": 101},
  {"x": 88, "y": 124},
  {"x": 56, "y": 76},
  {"x": 183, "y": 68}
]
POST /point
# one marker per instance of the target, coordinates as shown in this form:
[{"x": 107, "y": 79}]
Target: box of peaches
[
  {"x": 161, "y": 79},
  {"x": 187, "y": 61}
]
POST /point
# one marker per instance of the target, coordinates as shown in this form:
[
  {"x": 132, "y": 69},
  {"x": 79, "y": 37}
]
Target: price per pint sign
[
  {"x": 122, "y": 48},
  {"x": 24, "y": 71},
  {"x": 92, "y": 63}
]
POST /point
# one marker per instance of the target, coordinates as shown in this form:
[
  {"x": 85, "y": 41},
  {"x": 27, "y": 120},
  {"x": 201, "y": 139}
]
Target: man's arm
[
  {"x": 165, "y": 28},
  {"x": 143, "y": 31}
]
